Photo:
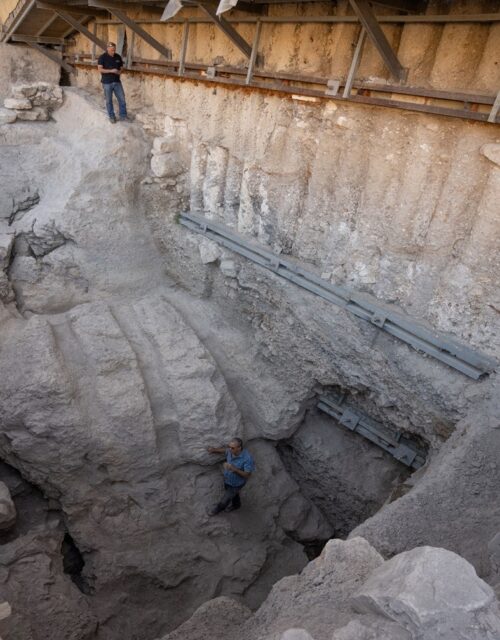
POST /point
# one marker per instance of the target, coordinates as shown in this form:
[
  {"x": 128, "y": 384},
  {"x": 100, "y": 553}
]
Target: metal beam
[
  {"x": 355, "y": 63},
  {"x": 210, "y": 10},
  {"x": 52, "y": 55},
  {"x": 394, "y": 442},
  {"x": 495, "y": 109},
  {"x": 255, "y": 49},
  {"x": 367, "y": 18},
  {"x": 78, "y": 26},
  {"x": 131, "y": 24},
  {"x": 384, "y": 317}
]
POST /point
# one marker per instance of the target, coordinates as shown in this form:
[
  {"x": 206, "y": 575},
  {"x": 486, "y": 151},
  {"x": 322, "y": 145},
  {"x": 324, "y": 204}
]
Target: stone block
[
  {"x": 229, "y": 268},
  {"x": 165, "y": 144},
  {"x": 17, "y": 103},
  {"x": 7, "y": 116},
  {"x": 37, "y": 114},
  {"x": 22, "y": 91},
  {"x": 166, "y": 165},
  {"x": 492, "y": 152},
  {"x": 209, "y": 251}
]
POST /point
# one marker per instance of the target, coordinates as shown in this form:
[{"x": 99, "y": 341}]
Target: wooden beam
[
  {"x": 82, "y": 11},
  {"x": 131, "y": 24},
  {"x": 18, "y": 37},
  {"x": 367, "y": 18},
  {"x": 210, "y": 10},
  {"x": 410, "y": 6},
  {"x": 78, "y": 26},
  {"x": 53, "y": 56},
  {"x": 46, "y": 25}
]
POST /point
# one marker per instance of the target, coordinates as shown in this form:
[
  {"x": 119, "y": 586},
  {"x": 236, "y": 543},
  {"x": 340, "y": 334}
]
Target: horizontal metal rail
[
  {"x": 394, "y": 442},
  {"x": 385, "y": 318}
]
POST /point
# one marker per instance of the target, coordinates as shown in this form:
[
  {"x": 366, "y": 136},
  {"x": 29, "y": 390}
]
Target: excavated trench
[{"x": 132, "y": 344}]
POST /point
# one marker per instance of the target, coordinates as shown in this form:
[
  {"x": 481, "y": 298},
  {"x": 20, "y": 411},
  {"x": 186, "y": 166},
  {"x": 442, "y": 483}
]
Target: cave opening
[{"x": 73, "y": 564}]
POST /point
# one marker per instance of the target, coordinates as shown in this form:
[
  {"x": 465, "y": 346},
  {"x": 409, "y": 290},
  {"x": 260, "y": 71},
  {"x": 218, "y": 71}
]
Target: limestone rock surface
[
  {"x": 125, "y": 396},
  {"x": 7, "y": 116}
]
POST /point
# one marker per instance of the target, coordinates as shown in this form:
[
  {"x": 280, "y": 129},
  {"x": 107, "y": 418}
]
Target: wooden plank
[
  {"x": 19, "y": 37},
  {"x": 78, "y": 26},
  {"x": 131, "y": 24},
  {"x": 367, "y": 18},
  {"x": 210, "y": 10},
  {"x": 57, "y": 6},
  {"x": 53, "y": 56},
  {"x": 47, "y": 24}
]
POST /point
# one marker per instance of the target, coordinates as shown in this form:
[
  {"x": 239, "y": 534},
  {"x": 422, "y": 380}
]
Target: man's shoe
[
  {"x": 230, "y": 508},
  {"x": 112, "y": 120},
  {"x": 126, "y": 119},
  {"x": 213, "y": 511}
]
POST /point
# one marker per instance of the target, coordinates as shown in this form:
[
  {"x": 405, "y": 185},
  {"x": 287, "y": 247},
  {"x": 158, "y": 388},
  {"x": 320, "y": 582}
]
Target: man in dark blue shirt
[
  {"x": 237, "y": 469},
  {"x": 110, "y": 65}
]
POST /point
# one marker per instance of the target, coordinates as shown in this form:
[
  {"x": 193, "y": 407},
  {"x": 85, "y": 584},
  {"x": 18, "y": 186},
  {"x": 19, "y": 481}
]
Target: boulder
[
  {"x": 19, "y": 104},
  {"x": 432, "y": 593},
  {"x": 7, "y": 116},
  {"x": 166, "y": 165},
  {"x": 492, "y": 152},
  {"x": 369, "y": 628},
  {"x": 7, "y": 509},
  {"x": 209, "y": 251}
]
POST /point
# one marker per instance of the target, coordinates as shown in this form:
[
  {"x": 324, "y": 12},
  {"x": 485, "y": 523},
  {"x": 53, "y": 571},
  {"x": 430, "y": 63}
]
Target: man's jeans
[
  {"x": 231, "y": 496},
  {"x": 117, "y": 89}
]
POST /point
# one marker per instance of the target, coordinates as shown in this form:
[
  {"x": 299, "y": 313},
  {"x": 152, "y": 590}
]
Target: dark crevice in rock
[
  {"x": 23, "y": 204},
  {"x": 73, "y": 564}
]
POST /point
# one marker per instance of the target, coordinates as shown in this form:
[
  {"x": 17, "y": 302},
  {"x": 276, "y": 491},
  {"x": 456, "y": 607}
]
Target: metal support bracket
[
  {"x": 388, "y": 319},
  {"x": 399, "y": 446},
  {"x": 332, "y": 87},
  {"x": 367, "y": 18}
]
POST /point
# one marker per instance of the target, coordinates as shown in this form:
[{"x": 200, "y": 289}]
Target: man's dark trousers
[
  {"x": 117, "y": 89},
  {"x": 231, "y": 497}
]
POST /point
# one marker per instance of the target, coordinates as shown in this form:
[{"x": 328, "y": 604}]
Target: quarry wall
[{"x": 134, "y": 343}]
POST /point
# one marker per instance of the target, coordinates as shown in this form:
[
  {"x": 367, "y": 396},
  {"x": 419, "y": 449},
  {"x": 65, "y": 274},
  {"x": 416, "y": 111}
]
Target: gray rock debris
[
  {"x": 7, "y": 508},
  {"x": 424, "y": 594},
  {"x": 432, "y": 593}
]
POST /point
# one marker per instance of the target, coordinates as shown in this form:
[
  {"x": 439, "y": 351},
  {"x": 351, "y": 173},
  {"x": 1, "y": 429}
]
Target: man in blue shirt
[
  {"x": 237, "y": 469},
  {"x": 110, "y": 64}
]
